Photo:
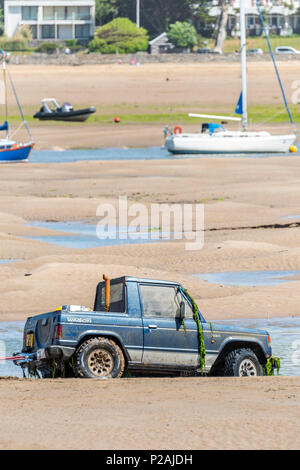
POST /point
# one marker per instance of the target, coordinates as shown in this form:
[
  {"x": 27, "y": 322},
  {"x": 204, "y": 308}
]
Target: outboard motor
[{"x": 66, "y": 107}]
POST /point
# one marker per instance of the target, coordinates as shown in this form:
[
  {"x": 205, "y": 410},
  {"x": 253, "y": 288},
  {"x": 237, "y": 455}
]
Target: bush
[
  {"x": 48, "y": 47},
  {"x": 73, "y": 45},
  {"x": 25, "y": 32},
  {"x": 120, "y": 35},
  {"x": 182, "y": 35},
  {"x": 19, "y": 42},
  {"x": 14, "y": 44},
  {"x": 71, "y": 42}
]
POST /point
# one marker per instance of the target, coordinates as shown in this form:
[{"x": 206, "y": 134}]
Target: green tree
[
  {"x": 105, "y": 11},
  {"x": 1, "y": 20},
  {"x": 157, "y": 15},
  {"x": 182, "y": 34},
  {"x": 201, "y": 18},
  {"x": 119, "y": 36}
]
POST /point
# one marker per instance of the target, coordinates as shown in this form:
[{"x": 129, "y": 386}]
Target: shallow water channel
[
  {"x": 248, "y": 278},
  {"x": 5, "y": 261},
  {"x": 285, "y": 335},
  {"x": 147, "y": 153},
  {"x": 81, "y": 235}
]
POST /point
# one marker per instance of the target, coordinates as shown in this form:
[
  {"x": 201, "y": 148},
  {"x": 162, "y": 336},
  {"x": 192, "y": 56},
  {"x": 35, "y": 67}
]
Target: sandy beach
[
  {"x": 247, "y": 203},
  {"x": 151, "y": 88},
  {"x": 184, "y": 413}
]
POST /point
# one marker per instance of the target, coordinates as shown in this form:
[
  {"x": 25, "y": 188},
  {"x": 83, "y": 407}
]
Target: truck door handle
[{"x": 153, "y": 327}]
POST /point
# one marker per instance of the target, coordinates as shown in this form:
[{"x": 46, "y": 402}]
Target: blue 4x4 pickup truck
[{"x": 145, "y": 326}]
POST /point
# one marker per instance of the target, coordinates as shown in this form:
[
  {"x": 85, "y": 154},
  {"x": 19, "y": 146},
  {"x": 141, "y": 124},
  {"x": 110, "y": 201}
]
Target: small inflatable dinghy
[{"x": 51, "y": 110}]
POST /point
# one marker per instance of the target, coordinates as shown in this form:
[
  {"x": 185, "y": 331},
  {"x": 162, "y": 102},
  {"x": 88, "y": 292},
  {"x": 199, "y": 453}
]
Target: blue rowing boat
[{"x": 11, "y": 150}]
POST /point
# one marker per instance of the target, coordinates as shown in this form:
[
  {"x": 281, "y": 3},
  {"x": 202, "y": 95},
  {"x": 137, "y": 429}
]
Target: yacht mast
[
  {"x": 5, "y": 91},
  {"x": 243, "y": 64}
]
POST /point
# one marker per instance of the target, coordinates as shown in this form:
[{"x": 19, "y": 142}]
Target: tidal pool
[
  {"x": 4, "y": 261},
  {"x": 297, "y": 216},
  {"x": 285, "y": 336},
  {"x": 11, "y": 340},
  {"x": 83, "y": 235},
  {"x": 248, "y": 278}
]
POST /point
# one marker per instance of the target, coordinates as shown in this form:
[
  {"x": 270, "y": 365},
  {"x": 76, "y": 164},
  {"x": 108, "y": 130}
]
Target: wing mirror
[{"x": 182, "y": 310}]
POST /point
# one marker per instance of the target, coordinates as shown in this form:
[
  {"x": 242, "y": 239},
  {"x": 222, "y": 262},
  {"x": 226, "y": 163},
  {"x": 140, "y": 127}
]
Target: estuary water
[
  {"x": 147, "y": 153},
  {"x": 285, "y": 336}
]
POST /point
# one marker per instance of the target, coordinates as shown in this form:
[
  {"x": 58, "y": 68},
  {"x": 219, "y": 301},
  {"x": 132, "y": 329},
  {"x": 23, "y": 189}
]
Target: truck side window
[
  {"x": 117, "y": 303},
  {"x": 160, "y": 301}
]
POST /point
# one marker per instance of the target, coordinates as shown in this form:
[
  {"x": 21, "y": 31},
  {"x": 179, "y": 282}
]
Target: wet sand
[
  {"x": 245, "y": 202},
  {"x": 186, "y": 413}
]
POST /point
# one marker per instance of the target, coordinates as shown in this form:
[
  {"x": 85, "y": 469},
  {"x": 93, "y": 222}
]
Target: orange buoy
[
  {"x": 177, "y": 130},
  {"x": 117, "y": 119}
]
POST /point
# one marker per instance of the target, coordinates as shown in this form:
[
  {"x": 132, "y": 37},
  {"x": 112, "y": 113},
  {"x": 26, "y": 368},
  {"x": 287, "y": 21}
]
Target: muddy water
[{"x": 285, "y": 335}]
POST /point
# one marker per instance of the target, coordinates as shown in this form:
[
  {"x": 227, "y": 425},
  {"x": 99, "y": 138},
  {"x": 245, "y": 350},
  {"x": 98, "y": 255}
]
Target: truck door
[{"x": 166, "y": 341}]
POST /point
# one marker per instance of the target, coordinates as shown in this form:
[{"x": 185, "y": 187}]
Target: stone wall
[{"x": 139, "y": 58}]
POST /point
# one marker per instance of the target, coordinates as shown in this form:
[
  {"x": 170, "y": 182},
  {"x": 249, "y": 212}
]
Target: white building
[
  {"x": 51, "y": 19},
  {"x": 283, "y": 16}
]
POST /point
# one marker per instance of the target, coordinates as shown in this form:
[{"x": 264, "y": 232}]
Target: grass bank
[
  {"x": 233, "y": 44},
  {"x": 257, "y": 114}
]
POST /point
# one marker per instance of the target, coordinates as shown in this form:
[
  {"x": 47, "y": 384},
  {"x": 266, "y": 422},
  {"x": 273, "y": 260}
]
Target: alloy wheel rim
[
  {"x": 100, "y": 363},
  {"x": 247, "y": 368}
]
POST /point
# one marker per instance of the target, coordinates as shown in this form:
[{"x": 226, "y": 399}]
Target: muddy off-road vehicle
[{"x": 142, "y": 326}]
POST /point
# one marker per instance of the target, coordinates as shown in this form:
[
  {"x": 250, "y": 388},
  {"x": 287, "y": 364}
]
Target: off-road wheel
[
  {"x": 99, "y": 358},
  {"x": 242, "y": 363}
]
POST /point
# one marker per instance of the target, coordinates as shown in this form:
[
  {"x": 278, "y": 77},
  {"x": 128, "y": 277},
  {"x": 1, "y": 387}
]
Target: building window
[
  {"x": 82, "y": 31},
  {"x": 48, "y": 31},
  {"x": 48, "y": 13},
  {"x": 58, "y": 13},
  {"x": 29, "y": 13},
  {"x": 33, "y": 29},
  {"x": 69, "y": 11},
  {"x": 82, "y": 13}
]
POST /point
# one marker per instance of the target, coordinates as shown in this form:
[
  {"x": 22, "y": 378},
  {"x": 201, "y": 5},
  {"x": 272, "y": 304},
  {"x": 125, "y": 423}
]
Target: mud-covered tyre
[
  {"x": 242, "y": 363},
  {"x": 99, "y": 358}
]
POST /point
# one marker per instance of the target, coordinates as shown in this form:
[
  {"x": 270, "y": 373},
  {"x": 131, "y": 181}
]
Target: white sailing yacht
[{"x": 215, "y": 139}]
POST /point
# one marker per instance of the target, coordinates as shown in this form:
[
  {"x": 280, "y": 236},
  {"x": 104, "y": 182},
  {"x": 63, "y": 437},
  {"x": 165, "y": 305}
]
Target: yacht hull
[{"x": 226, "y": 143}]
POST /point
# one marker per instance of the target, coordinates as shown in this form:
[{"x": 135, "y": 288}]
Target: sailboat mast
[
  {"x": 243, "y": 64},
  {"x": 5, "y": 92}
]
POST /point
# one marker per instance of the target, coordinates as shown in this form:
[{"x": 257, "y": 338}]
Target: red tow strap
[{"x": 11, "y": 358}]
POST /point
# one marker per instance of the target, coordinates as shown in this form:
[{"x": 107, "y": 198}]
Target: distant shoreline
[{"x": 139, "y": 58}]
